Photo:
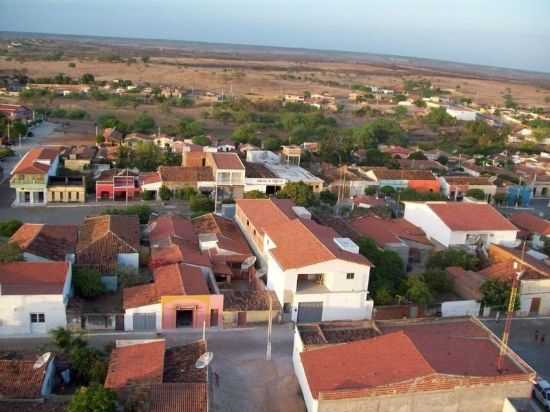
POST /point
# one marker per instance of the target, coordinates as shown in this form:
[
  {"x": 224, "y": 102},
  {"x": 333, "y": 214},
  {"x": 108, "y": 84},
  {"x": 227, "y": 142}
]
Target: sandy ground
[{"x": 269, "y": 79}]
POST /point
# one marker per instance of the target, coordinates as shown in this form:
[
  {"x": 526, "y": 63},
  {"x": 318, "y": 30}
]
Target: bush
[
  {"x": 452, "y": 257},
  {"x": 148, "y": 195},
  {"x": 201, "y": 140},
  {"x": 186, "y": 193},
  {"x": 371, "y": 190},
  {"x": 165, "y": 193},
  {"x": 255, "y": 194},
  {"x": 87, "y": 282},
  {"x": 299, "y": 192},
  {"x": 418, "y": 290},
  {"x": 438, "y": 281},
  {"x": 496, "y": 294},
  {"x": 10, "y": 252},
  {"x": 143, "y": 212},
  {"x": 477, "y": 194},
  {"x": 387, "y": 190},
  {"x": 6, "y": 152},
  {"x": 9, "y": 227},
  {"x": 93, "y": 399},
  {"x": 326, "y": 196},
  {"x": 201, "y": 204}
]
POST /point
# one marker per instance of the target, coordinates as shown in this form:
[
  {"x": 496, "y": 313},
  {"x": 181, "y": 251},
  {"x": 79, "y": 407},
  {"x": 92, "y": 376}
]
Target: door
[
  {"x": 310, "y": 312},
  {"x": 184, "y": 318},
  {"x": 241, "y": 319},
  {"x": 214, "y": 317},
  {"x": 38, "y": 323},
  {"x": 535, "y": 306},
  {"x": 145, "y": 321}
]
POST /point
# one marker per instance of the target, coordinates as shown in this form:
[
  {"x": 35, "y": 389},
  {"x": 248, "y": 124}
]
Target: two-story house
[
  {"x": 30, "y": 176},
  {"x": 229, "y": 176},
  {"x": 315, "y": 273},
  {"x": 34, "y": 297}
]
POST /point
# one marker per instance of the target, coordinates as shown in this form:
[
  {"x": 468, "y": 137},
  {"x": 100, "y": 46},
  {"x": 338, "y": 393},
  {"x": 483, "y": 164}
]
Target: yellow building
[{"x": 64, "y": 189}]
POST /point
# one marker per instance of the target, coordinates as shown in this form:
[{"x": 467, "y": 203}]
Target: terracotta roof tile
[
  {"x": 531, "y": 223},
  {"x": 468, "y": 180},
  {"x": 127, "y": 365},
  {"x": 124, "y": 227},
  {"x": 48, "y": 241},
  {"x": 180, "y": 174},
  {"x": 33, "y": 278},
  {"x": 461, "y": 216},
  {"x": 402, "y": 174},
  {"x": 32, "y": 162},
  {"x": 229, "y": 236},
  {"x": 179, "y": 397},
  {"x": 237, "y": 301},
  {"x": 227, "y": 161},
  {"x": 384, "y": 231},
  {"x": 20, "y": 380},
  {"x": 166, "y": 227}
]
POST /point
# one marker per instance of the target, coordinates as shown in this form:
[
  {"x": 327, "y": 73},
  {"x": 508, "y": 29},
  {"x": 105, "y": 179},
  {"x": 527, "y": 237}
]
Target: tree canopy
[{"x": 299, "y": 192}]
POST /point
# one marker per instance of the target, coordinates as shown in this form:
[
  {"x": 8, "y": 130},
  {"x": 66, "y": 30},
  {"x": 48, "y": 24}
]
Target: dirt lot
[{"x": 72, "y": 132}]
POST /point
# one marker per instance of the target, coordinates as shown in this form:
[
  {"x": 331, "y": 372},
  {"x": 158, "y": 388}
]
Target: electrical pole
[{"x": 269, "y": 325}]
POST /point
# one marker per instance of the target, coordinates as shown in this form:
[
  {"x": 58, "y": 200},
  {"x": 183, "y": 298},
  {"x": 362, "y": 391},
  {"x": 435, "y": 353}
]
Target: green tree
[
  {"x": 328, "y": 197},
  {"x": 477, "y": 194},
  {"x": 10, "y": 252},
  {"x": 371, "y": 190},
  {"x": 201, "y": 204},
  {"x": 9, "y": 227},
  {"x": 387, "y": 190},
  {"x": 438, "y": 117},
  {"x": 144, "y": 123},
  {"x": 87, "y": 78},
  {"x": 87, "y": 282},
  {"x": 145, "y": 156},
  {"x": 165, "y": 193},
  {"x": 379, "y": 131},
  {"x": 418, "y": 156},
  {"x": 186, "y": 193},
  {"x": 496, "y": 294},
  {"x": 452, "y": 257},
  {"x": 299, "y": 192},
  {"x": 201, "y": 140},
  {"x": 244, "y": 133},
  {"x": 188, "y": 127},
  {"x": 443, "y": 159},
  {"x": 143, "y": 212},
  {"x": 418, "y": 290},
  {"x": 94, "y": 398},
  {"x": 546, "y": 245},
  {"x": 272, "y": 143},
  {"x": 438, "y": 281},
  {"x": 255, "y": 194}
]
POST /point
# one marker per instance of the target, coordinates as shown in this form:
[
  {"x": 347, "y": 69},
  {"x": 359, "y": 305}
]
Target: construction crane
[{"x": 510, "y": 310}]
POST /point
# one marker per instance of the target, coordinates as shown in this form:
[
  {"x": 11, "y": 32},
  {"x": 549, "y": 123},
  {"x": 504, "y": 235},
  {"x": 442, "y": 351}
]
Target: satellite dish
[
  {"x": 204, "y": 360},
  {"x": 42, "y": 360},
  {"x": 248, "y": 262}
]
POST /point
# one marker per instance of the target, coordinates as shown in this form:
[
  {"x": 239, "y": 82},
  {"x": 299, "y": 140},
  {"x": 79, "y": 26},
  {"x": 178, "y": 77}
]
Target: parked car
[{"x": 541, "y": 392}]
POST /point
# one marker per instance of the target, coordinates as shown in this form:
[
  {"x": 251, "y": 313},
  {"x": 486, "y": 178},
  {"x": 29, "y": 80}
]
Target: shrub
[
  {"x": 148, "y": 195},
  {"x": 87, "y": 282},
  {"x": 418, "y": 290},
  {"x": 201, "y": 204},
  {"x": 143, "y": 212},
  {"x": 165, "y": 193},
  {"x": 10, "y": 252},
  {"x": 9, "y": 227},
  {"x": 255, "y": 194},
  {"x": 94, "y": 398},
  {"x": 496, "y": 294},
  {"x": 477, "y": 194},
  {"x": 452, "y": 257},
  {"x": 326, "y": 196},
  {"x": 371, "y": 190},
  {"x": 438, "y": 281},
  {"x": 299, "y": 192},
  {"x": 186, "y": 193}
]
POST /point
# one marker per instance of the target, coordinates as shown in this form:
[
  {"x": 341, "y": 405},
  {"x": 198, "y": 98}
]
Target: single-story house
[{"x": 40, "y": 242}]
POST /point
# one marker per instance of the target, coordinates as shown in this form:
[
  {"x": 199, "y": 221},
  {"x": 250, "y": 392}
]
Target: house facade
[
  {"x": 315, "y": 273},
  {"x": 461, "y": 224},
  {"x": 117, "y": 184},
  {"x": 456, "y": 187},
  {"x": 34, "y": 297},
  {"x": 30, "y": 176}
]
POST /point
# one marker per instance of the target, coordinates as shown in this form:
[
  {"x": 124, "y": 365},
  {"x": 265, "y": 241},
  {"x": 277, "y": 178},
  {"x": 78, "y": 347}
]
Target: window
[
  {"x": 350, "y": 276},
  {"x": 38, "y": 318},
  {"x": 287, "y": 307}
]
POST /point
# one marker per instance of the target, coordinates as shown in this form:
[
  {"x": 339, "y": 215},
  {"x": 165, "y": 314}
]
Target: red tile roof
[
  {"x": 461, "y": 216},
  {"x": 126, "y": 228},
  {"x": 48, "y": 241},
  {"x": 407, "y": 353},
  {"x": 169, "y": 280},
  {"x": 227, "y": 161},
  {"x": 30, "y": 163},
  {"x": 299, "y": 242},
  {"x": 178, "y": 397},
  {"x": 179, "y": 252},
  {"x": 190, "y": 175},
  {"x": 468, "y": 180},
  {"x": 531, "y": 223},
  {"x": 384, "y": 231},
  {"x": 20, "y": 380},
  {"x": 33, "y": 278},
  {"x": 383, "y": 173},
  {"x": 230, "y": 237},
  {"x": 168, "y": 227},
  {"x": 135, "y": 364}
]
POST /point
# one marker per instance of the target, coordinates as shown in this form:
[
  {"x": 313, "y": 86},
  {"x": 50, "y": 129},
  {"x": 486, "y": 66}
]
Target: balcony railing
[{"x": 18, "y": 180}]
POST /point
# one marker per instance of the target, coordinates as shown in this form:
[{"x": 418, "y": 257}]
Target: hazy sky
[{"x": 508, "y": 33}]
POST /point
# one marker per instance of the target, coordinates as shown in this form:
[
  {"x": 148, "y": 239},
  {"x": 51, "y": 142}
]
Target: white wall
[
  {"x": 129, "y": 313},
  {"x": 129, "y": 260},
  {"x": 422, "y": 216},
  {"x": 460, "y": 308},
  {"x": 535, "y": 289},
  {"x": 312, "y": 404},
  {"x": 338, "y": 305},
  {"x": 15, "y": 312},
  {"x": 496, "y": 236}
]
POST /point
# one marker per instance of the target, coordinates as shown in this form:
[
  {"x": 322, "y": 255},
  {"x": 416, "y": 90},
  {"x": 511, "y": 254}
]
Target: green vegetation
[
  {"x": 255, "y": 194},
  {"x": 186, "y": 193},
  {"x": 146, "y": 157},
  {"x": 418, "y": 156},
  {"x": 201, "y": 140},
  {"x": 87, "y": 282},
  {"x": 418, "y": 291},
  {"x": 60, "y": 113},
  {"x": 299, "y": 192},
  {"x": 201, "y": 204},
  {"x": 328, "y": 197},
  {"x": 144, "y": 123},
  {"x": 477, "y": 194},
  {"x": 10, "y": 252},
  {"x": 189, "y": 127},
  {"x": 496, "y": 294},
  {"x": 412, "y": 195},
  {"x": 94, "y": 398},
  {"x": 452, "y": 257},
  {"x": 143, "y": 212},
  {"x": 9, "y": 227},
  {"x": 6, "y": 152},
  {"x": 165, "y": 193},
  {"x": 438, "y": 117}
]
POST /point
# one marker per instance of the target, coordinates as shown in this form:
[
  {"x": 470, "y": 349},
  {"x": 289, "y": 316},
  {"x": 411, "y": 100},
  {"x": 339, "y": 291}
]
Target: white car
[{"x": 541, "y": 392}]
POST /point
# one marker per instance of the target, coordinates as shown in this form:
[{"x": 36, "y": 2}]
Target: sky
[{"x": 504, "y": 33}]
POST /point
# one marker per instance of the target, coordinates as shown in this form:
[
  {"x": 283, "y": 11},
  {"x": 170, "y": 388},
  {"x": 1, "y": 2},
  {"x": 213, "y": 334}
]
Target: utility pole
[
  {"x": 126, "y": 184},
  {"x": 269, "y": 325}
]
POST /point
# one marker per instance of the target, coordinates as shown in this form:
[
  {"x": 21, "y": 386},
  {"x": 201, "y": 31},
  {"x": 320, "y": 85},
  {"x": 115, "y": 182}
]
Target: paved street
[
  {"x": 248, "y": 383},
  {"x": 522, "y": 341}
]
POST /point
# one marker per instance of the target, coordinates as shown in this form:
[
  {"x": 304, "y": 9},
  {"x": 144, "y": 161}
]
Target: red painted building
[{"x": 117, "y": 184}]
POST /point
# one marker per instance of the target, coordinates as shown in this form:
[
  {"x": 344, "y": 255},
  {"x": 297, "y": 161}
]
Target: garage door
[
  {"x": 145, "y": 321},
  {"x": 310, "y": 312}
]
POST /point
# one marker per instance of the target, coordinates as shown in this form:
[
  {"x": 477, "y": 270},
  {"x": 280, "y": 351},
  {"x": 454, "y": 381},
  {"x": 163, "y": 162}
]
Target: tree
[
  {"x": 438, "y": 281},
  {"x": 546, "y": 245},
  {"x": 100, "y": 139},
  {"x": 299, "y": 192},
  {"x": 87, "y": 282},
  {"x": 418, "y": 290},
  {"x": 477, "y": 194},
  {"x": 371, "y": 190},
  {"x": 438, "y": 117},
  {"x": 255, "y": 194},
  {"x": 165, "y": 193},
  {"x": 418, "y": 156},
  {"x": 244, "y": 133},
  {"x": 387, "y": 190},
  {"x": 94, "y": 398},
  {"x": 9, "y": 227},
  {"x": 201, "y": 204},
  {"x": 72, "y": 64},
  {"x": 145, "y": 156},
  {"x": 272, "y": 143},
  {"x": 328, "y": 197},
  {"x": 443, "y": 159},
  {"x": 201, "y": 140},
  {"x": 87, "y": 78},
  {"x": 188, "y": 127},
  {"x": 10, "y": 252},
  {"x": 379, "y": 131},
  {"x": 452, "y": 257},
  {"x": 496, "y": 294},
  {"x": 144, "y": 123}
]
